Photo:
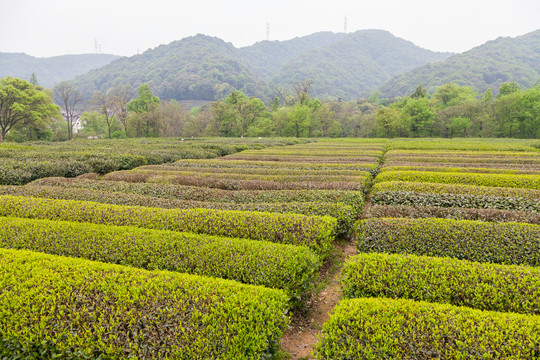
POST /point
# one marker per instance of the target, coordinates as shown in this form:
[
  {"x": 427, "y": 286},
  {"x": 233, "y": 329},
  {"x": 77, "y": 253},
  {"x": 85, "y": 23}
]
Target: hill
[
  {"x": 486, "y": 66},
  {"x": 51, "y": 70},
  {"x": 207, "y": 68}
]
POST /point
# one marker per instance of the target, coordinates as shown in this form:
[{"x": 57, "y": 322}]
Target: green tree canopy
[
  {"x": 23, "y": 104},
  {"x": 144, "y": 101}
]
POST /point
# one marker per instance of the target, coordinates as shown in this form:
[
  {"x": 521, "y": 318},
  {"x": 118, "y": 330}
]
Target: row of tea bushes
[
  {"x": 491, "y": 180},
  {"x": 226, "y": 163},
  {"x": 456, "y": 213},
  {"x": 20, "y": 164},
  {"x": 344, "y": 214},
  {"x": 288, "y": 267},
  {"x": 451, "y": 169},
  {"x": 406, "y": 329},
  {"x": 478, "y": 144},
  {"x": 503, "y": 243},
  {"x": 59, "y": 307},
  {"x": 455, "y": 195},
  {"x": 243, "y": 182},
  {"x": 316, "y": 232},
  {"x": 485, "y": 286},
  {"x": 194, "y": 193}
]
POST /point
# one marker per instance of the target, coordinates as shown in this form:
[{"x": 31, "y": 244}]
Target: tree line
[{"x": 28, "y": 112}]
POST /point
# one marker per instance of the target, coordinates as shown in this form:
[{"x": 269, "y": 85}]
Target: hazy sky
[{"x": 124, "y": 27}]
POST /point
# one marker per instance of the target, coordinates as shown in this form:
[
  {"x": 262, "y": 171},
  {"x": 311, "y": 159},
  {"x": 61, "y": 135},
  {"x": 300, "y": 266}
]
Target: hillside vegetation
[
  {"x": 200, "y": 67},
  {"x": 486, "y": 66},
  {"x": 51, "y": 70}
]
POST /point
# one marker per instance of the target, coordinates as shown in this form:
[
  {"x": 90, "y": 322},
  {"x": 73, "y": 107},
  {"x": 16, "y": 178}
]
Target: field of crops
[{"x": 210, "y": 256}]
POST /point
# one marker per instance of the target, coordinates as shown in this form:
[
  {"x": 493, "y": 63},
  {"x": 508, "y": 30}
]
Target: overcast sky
[{"x": 125, "y": 27}]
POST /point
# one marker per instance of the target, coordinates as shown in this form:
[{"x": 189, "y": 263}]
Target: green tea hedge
[
  {"x": 56, "y": 307},
  {"x": 447, "y": 169},
  {"x": 406, "y": 329},
  {"x": 504, "y": 243},
  {"x": 494, "y": 180},
  {"x": 288, "y": 267},
  {"x": 494, "y": 215},
  {"x": 483, "y": 286},
  {"x": 345, "y": 214},
  {"x": 316, "y": 232},
  {"x": 169, "y": 191},
  {"x": 453, "y": 195}
]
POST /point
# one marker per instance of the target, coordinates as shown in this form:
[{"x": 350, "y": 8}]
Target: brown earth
[{"x": 302, "y": 336}]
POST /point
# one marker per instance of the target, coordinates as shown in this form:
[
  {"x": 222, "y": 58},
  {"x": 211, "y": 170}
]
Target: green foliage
[
  {"x": 287, "y": 267},
  {"x": 457, "y": 213},
  {"x": 454, "y": 195},
  {"x": 405, "y": 329},
  {"x": 344, "y": 214},
  {"x": 482, "y": 286},
  {"x": 23, "y": 105},
  {"x": 504, "y": 243},
  {"x": 313, "y": 231},
  {"x": 74, "y": 308},
  {"x": 486, "y": 66},
  {"x": 492, "y": 180},
  {"x": 37, "y": 160}
]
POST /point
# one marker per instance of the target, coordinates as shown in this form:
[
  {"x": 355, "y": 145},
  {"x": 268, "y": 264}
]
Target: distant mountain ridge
[
  {"x": 201, "y": 67},
  {"x": 51, "y": 70},
  {"x": 486, "y": 66}
]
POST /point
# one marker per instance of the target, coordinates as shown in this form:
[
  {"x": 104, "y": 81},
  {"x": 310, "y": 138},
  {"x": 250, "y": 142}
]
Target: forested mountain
[
  {"x": 200, "y": 67},
  {"x": 51, "y": 70},
  {"x": 486, "y": 66},
  {"x": 356, "y": 65}
]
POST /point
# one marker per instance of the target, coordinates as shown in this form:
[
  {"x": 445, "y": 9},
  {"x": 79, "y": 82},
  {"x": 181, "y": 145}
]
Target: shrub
[
  {"x": 60, "y": 307},
  {"x": 504, "y": 243},
  {"x": 402, "y": 211},
  {"x": 453, "y": 195},
  {"x": 180, "y": 192},
  {"x": 405, "y": 329},
  {"x": 455, "y": 169},
  {"x": 494, "y": 180},
  {"x": 316, "y": 232},
  {"x": 288, "y": 267},
  {"x": 483, "y": 286}
]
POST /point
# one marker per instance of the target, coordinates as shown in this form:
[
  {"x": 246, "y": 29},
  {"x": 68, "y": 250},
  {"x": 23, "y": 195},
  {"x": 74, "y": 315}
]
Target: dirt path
[{"x": 300, "y": 339}]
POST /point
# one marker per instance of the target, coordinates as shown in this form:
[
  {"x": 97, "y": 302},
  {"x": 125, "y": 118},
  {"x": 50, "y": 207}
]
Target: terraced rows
[
  {"x": 448, "y": 257},
  {"x": 266, "y": 227},
  {"x": 208, "y": 258}
]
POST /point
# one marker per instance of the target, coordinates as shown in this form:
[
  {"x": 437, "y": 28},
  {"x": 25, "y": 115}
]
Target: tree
[
  {"x": 119, "y": 97},
  {"x": 21, "y": 103},
  {"x": 70, "y": 100},
  {"x": 420, "y": 92},
  {"x": 33, "y": 79},
  {"x": 146, "y": 116},
  {"x": 103, "y": 103}
]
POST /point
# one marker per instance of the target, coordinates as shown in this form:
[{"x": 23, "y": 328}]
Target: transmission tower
[
  {"x": 345, "y": 25},
  {"x": 96, "y": 48},
  {"x": 268, "y": 31}
]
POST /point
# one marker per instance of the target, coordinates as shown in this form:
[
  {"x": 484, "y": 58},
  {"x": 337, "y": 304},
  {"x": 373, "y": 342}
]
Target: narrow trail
[{"x": 300, "y": 339}]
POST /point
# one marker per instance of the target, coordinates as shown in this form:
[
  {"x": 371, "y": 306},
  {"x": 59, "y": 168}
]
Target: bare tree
[
  {"x": 302, "y": 89},
  {"x": 69, "y": 98},
  {"x": 103, "y": 103},
  {"x": 120, "y": 96}
]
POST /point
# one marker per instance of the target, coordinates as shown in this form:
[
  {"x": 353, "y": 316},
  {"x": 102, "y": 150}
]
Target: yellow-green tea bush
[
  {"x": 54, "y": 307},
  {"x": 503, "y": 243},
  {"x": 316, "y": 232},
  {"x": 454, "y": 195},
  {"x": 405, "y": 329},
  {"x": 344, "y": 214},
  {"x": 477, "y": 285},
  {"x": 456, "y": 213},
  {"x": 289, "y": 267},
  {"x": 480, "y": 170},
  {"x": 493, "y": 180},
  {"x": 180, "y": 192}
]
